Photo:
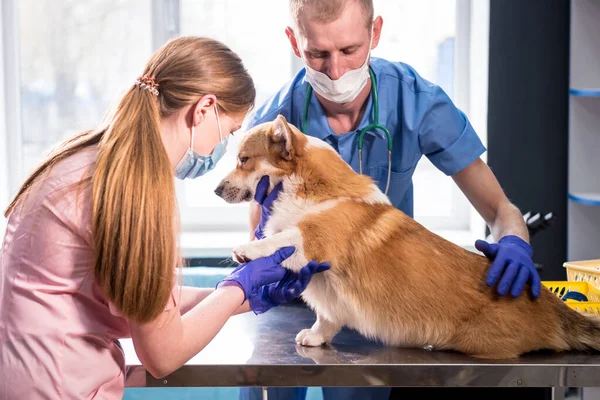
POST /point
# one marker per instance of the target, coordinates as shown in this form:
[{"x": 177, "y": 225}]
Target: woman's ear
[{"x": 202, "y": 107}]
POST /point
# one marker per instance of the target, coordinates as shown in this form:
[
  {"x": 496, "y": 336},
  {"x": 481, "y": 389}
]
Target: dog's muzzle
[{"x": 232, "y": 194}]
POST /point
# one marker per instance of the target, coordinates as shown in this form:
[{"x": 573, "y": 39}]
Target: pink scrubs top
[{"x": 58, "y": 332}]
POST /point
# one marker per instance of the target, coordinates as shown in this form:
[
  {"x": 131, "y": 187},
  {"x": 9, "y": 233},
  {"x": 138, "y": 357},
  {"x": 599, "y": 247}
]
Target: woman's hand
[
  {"x": 250, "y": 277},
  {"x": 287, "y": 289}
]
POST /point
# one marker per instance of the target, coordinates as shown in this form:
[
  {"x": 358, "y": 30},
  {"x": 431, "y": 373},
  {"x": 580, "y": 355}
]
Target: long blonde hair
[{"x": 134, "y": 220}]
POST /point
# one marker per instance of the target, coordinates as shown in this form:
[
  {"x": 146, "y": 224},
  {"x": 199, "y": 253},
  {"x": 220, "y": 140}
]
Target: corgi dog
[{"x": 391, "y": 279}]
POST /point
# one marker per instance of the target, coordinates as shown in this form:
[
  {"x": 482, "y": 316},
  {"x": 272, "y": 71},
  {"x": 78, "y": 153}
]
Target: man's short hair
[{"x": 328, "y": 10}]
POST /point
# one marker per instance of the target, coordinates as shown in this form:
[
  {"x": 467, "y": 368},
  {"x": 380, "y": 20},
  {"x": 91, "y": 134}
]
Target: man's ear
[
  {"x": 293, "y": 41},
  {"x": 283, "y": 135},
  {"x": 377, "y": 26}
]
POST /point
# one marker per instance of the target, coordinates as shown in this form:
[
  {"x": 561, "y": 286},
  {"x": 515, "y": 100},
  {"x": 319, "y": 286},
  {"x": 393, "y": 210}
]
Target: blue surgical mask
[{"x": 193, "y": 165}]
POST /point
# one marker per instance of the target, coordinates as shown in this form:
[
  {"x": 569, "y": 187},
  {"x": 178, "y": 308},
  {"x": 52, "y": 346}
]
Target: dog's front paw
[
  {"x": 308, "y": 337},
  {"x": 238, "y": 257},
  {"x": 242, "y": 254}
]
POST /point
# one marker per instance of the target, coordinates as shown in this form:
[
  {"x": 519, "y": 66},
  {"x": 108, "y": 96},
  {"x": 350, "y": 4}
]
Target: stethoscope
[{"x": 361, "y": 134}]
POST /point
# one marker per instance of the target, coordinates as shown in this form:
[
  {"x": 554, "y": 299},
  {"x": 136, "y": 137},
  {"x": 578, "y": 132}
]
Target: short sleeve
[
  {"x": 113, "y": 309},
  {"x": 446, "y": 136}
]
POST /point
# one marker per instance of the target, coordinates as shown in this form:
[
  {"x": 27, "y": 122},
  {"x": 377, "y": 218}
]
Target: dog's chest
[{"x": 289, "y": 210}]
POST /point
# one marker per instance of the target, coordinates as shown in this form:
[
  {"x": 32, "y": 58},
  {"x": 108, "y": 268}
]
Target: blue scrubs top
[{"x": 419, "y": 115}]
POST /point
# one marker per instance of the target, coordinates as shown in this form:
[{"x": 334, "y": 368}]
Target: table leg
[{"x": 558, "y": 393}]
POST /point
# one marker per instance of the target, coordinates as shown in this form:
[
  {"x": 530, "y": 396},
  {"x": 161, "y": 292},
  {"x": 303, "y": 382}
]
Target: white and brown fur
[{"x": 390, "y": 278}]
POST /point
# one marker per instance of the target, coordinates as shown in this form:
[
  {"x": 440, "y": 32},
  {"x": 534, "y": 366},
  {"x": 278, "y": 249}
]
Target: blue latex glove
[
  {"x": 287, "y": 289},
  {"x": 266, "y": 202},
  {"x": 256, "y": 273},
  {"x": 512, "y": 260}
]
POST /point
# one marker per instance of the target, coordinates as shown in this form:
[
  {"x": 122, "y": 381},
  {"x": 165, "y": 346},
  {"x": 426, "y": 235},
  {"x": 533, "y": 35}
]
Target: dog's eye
[{"x": 243, "y": 160}]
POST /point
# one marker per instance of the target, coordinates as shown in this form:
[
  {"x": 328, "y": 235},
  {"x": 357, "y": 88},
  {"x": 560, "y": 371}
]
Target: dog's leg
[
  {"x": 322, "y": 331},
  {"x": 266, "y": 247}
]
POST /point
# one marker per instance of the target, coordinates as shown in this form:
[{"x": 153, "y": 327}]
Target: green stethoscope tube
[{"x": 361, "y": 134}]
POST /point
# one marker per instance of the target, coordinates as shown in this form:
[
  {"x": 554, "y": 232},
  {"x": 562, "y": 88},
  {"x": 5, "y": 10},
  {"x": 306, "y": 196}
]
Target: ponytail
[{"x": 134, "y": 208}]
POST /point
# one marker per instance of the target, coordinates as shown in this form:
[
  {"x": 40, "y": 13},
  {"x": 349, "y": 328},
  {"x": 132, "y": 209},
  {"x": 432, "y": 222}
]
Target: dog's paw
[
  {"x": 307, "y": 337},
  {"x": 241, "y": 254},
  {"x": 238, "y": 258}
]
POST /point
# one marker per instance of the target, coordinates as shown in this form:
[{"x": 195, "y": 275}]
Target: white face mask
[{"x": 346, "y": 88}]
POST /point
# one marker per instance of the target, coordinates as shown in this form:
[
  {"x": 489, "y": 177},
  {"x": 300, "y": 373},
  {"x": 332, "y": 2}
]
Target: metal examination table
[{"x": 260, "y": 350}]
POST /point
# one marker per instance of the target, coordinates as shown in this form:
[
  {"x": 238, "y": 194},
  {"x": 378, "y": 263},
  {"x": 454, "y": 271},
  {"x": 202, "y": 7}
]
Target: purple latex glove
[
  {"x": 287, "y": 289},
  {"x": 512, "y": 260},
  {"x": 266, "y": 203},
  {"x": 256, "y": 273}
]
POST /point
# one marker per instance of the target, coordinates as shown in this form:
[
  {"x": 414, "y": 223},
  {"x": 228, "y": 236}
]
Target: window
[
  {"x": 74, "y": 57},
  {"x": 266, "y": 53},
  {"x": 422, "y": 34}
]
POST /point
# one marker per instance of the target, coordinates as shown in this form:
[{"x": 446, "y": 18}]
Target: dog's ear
[{"x": 284, "y": 136}]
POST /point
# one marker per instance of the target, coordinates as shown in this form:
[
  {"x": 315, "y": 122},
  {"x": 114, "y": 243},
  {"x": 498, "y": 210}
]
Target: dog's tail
[{"x": 580, "y": 331}]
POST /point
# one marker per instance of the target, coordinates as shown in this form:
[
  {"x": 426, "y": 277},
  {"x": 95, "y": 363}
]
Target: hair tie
[{"x": 147, "y": 82}]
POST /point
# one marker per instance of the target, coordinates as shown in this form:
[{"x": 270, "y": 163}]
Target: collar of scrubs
[{"x": 318, "y": 126}]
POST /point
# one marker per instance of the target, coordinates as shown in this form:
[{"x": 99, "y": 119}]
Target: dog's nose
[{"x": 219, "y": 190}]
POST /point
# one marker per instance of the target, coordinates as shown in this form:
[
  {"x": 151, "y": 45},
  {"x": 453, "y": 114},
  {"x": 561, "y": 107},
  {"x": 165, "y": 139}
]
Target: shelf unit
[
  {"x": 590, "y": 199},
  {"x": 583, "y": 236},
  {"x": 585, "y": 92}
]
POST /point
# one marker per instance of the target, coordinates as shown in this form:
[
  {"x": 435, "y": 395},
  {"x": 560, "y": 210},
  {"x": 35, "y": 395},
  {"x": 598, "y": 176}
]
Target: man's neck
[{"x": 345, "y": 117}]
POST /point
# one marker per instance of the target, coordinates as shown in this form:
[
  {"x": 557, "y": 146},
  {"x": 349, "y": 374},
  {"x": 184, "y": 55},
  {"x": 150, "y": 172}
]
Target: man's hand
[
  {"x": 512, "y": 265},
  {"x": 511, "y": 255},
  {"x": 266, "y": 204}
]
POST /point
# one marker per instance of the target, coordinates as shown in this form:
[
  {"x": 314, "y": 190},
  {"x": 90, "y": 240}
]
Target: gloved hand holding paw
[
  {"x": 257, "y": 273},
  {"x": 287, "y": 289}
]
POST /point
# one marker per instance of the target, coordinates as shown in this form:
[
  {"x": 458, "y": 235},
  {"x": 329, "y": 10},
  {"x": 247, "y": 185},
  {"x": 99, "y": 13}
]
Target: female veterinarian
[{"x": 90, "y": 251}]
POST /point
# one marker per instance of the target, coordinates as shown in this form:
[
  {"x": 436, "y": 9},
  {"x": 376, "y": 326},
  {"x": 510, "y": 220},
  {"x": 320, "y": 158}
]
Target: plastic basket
[
  {"x": 585, "y": 307},
  {"x": 560, "y": 288},
  {"x": 584, "y": 271}
]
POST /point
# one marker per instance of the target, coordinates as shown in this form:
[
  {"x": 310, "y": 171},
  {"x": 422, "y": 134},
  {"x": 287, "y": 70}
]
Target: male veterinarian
[{"x": 332, "y": 98}]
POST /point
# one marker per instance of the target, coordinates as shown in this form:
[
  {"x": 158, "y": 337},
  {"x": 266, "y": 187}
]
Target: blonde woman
[{"x": 90, "y": 251}]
